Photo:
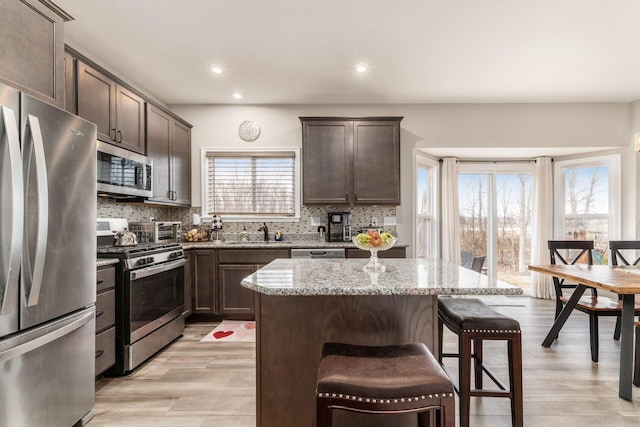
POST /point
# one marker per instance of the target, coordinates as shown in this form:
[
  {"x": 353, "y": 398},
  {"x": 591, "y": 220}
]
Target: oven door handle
[{"x": 156, "y": 269}]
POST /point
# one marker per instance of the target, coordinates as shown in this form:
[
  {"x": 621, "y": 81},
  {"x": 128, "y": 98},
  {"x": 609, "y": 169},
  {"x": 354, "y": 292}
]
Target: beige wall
[{"x": 591, "y": 126}]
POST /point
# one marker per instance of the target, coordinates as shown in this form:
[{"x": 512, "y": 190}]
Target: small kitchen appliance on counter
[
  {"x": 149, "y": 295},
  {"x": 157, "y": 231},
  {"x": 339, "y": 227}
]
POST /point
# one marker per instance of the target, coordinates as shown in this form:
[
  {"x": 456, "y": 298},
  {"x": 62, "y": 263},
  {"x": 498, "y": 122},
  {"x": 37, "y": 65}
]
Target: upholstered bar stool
[
  {"x": 474, "y": 321},
  {"x": 396, "y": 379}
]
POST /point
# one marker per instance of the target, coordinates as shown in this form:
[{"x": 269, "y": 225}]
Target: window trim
[
  {"x": 433, "y": 168},
  {"x": 206, "y": 151},
  {"x": 613, "y": 162}
]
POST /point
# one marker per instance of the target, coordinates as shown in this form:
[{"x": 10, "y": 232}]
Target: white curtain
[
  {"x": 450, "y": 214},
  {"x": 542, "y": 221}
]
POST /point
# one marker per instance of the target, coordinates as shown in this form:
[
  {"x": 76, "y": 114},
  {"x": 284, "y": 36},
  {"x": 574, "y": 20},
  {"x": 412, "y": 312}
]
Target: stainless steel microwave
[{"x": 123, "y": 173}]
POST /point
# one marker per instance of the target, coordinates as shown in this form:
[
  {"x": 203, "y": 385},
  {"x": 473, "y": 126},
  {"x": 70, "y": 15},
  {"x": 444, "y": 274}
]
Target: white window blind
[{"x": 251, "y": 183}]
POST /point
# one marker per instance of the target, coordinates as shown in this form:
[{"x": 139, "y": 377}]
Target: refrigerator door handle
[
  {"x": 72, "y": 324},
  {"x": 15, "y": 210},
  {"x": 33, "y": 270}
]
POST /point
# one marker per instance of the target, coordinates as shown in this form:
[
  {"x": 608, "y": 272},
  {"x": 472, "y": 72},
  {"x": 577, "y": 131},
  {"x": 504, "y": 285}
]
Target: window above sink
[{"x": 251, "y": 185}]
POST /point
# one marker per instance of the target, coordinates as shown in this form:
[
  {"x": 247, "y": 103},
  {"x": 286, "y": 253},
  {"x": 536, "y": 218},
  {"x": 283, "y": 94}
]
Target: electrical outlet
[
  {"x": 152, "y": 218},
  {"x": 389, "y": 220},
  {"x": 315, "y": 220},
  {"x": 374, "y": 220}
]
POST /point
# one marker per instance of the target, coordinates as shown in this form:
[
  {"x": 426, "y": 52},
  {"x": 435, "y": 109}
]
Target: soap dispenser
[{"x": 244, "y": 236}]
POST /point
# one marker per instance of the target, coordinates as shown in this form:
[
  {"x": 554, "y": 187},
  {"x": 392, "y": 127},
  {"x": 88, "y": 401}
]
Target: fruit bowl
[{"x": 373, "y": 242}]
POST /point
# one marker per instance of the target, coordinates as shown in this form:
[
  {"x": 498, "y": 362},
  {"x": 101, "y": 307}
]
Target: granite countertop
[
  {"x": 409, "y": 276},
  {"x": 103, "y": 262},
  {"x": 272, "y": 244}
]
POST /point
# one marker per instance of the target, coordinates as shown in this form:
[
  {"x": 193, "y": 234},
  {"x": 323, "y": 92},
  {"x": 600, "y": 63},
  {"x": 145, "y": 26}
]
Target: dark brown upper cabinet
[
  {"x": 351, "y": 161},
  {"x": 32, "y": 48},
  {"x": 117, "y": 111},
  {"x": 169, "y": 145}
]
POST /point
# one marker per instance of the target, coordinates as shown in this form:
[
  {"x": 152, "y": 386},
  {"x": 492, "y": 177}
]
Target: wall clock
[{"x": 249, "y": 130}]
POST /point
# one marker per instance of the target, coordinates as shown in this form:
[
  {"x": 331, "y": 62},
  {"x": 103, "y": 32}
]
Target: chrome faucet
[{"x": 264, "y": 229}]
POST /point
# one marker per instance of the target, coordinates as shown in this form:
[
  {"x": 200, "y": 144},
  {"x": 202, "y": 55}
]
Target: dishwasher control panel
[{"x": 318, "y": 253}]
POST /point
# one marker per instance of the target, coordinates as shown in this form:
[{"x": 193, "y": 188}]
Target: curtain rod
[{"x": 494, "y": 161}]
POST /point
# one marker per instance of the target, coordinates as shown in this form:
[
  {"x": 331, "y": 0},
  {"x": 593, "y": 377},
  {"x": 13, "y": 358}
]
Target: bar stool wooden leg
[
  {"x": 424, "y": 419},
  {"x": 464, "y": 363},
  {"x": 515, "y": 380},
  {"x": 477, "y": 367},
  {"x": 440, "y": 340},
  {"x": 323, "y": 412}
]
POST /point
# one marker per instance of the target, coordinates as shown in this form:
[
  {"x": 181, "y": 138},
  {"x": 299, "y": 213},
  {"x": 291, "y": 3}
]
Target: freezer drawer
[{"x": 48, "y": 373}]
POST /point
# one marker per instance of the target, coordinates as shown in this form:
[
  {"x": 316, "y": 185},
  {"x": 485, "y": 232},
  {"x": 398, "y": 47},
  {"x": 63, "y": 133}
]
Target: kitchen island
[{"x": 301, "y": 304}]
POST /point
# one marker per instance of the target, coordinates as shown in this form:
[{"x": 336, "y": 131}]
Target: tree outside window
[{"x": 587, "y": 198}]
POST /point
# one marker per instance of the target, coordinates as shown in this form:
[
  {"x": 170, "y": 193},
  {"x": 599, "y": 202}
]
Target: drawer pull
[
  {"x": 99, "y": 313},
  {"x": 99, "y": 353},
  {"x": 100, "y": 281}
]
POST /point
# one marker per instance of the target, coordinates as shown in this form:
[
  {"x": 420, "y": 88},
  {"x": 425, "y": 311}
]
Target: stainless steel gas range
[{"x": 149, "y": 298}]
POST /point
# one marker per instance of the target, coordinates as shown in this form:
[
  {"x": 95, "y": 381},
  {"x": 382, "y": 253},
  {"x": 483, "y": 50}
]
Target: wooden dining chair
[
  {"x": 571, "y": 252},
  {"x": 478, "y": 263},
  {"x": 625, "y": 252}
]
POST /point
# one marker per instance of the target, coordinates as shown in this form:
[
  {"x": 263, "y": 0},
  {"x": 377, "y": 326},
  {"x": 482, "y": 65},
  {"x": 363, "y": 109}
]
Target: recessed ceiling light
[
  {"x": 216, "y": 70},
  {"x": 237, "y": 95},
  {"x": 361, "y": 68}
]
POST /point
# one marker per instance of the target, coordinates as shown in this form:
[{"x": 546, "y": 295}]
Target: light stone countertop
[
  {"x": 409, "y": 276},
  {"x": 103, "y": 262},
  {"x": 295, "y": 244}
]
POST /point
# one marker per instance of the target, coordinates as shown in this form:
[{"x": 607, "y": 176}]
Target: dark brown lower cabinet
[
  {"x": 234, "y": 300},
  {"x": 203, "y": 281},
  {"x": 215, "y": 277},
  {"x": 105, "y": 319},
  {"x": 389, "y": 253}
]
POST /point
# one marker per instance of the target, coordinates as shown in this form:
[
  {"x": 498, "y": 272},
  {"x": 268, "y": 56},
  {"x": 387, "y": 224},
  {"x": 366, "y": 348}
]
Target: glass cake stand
[{"x": 374, "y": 266}]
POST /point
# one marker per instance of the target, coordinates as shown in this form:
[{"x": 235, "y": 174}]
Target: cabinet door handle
[
  {"x": 99, "y": 313},
  {"x": 119, "y": 136},
  {"x": 113, "y": 138},
  {"x": 99, "y": 353}
]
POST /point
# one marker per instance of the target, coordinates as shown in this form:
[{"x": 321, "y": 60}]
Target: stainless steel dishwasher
[{"x": 318, "y": 253}]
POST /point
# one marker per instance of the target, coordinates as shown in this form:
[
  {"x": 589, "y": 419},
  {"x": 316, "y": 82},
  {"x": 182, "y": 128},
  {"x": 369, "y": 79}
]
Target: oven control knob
[
  {"x": 150, "y": 260},
  {"x": 141, "y": 261},
  {"x": 173, "y": 255}
]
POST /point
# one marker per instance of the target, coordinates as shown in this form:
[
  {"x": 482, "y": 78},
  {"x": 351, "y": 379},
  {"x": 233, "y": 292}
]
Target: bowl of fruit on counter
[{"x": 374, "y": 241}]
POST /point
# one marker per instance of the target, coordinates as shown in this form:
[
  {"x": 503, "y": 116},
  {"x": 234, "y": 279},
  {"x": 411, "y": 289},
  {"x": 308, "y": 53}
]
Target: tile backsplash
[{"x": 360, "y": 218}]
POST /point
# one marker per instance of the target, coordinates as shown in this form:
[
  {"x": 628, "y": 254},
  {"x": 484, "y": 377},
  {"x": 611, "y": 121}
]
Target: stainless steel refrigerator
[{"x": 47, "y": 263}]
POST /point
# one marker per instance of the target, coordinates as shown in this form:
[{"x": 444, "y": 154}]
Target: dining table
[{"x": 621, "y": 280}]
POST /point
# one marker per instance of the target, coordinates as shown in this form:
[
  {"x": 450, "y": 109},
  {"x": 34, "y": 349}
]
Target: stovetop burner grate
[{"x": 136, "y": 250}]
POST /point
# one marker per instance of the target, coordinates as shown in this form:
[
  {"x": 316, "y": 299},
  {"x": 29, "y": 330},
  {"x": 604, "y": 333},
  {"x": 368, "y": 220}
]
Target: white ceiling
[{"x": 418, "y": 51}]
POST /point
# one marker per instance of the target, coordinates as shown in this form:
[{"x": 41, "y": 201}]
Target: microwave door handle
[
  {"x": 33, "y": 269},
  {"x": 15, "y": 208},
  {"x": 136, "y": 171}
]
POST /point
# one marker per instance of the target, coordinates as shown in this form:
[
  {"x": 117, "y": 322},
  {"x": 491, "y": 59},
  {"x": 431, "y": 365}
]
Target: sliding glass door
[{"x": 495, "y": 219}]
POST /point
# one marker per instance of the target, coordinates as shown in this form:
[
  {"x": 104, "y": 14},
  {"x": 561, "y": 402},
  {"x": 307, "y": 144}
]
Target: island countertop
[{"x": 409, "y": 276}]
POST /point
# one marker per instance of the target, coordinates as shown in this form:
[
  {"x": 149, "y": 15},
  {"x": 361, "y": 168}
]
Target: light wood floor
[{"x": 205, "y": 384}]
